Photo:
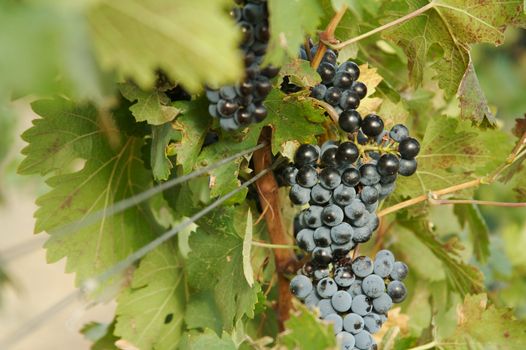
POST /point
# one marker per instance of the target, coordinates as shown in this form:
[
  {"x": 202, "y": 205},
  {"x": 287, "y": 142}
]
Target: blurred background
[{"x": 28, "y": 285}]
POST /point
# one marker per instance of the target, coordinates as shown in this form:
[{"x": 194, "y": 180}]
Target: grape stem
[
  {"x": 327, "y": 34},
  {"x": 434, "y": 196},
  {"x": 332, "y": 42},
  {"x": 285, "y": 259}
]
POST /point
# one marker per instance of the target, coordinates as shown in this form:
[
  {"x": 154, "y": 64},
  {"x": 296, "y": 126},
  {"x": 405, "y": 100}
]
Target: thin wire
[
  {"x": 24, "y": 248},
  {"x": 92, "y": 284}
]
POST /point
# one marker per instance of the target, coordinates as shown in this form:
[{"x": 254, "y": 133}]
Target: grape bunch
[
  {"x": 241, "y": 104},
  {"x": 354, "y": 296}
]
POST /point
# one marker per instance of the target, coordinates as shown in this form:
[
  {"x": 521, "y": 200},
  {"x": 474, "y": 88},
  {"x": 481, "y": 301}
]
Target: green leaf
[
  {"x": 207, "y": 340},
  {"x": 289, "y": 22},
  {"x": 68, "y": 134},
  {"x": 486, "y": 327},
  {"x": 441, "y": 37},
  {"x": 469, "y": 215},
  {"x": 306, "y": 332},
  {"x": 300, "y": 73},
  {"x": 152, "y": 106},
  {"x": 202, "y": 312},
  {"x": 247, "y": 245},
  {"x": 454, "y": 152},
  {"x": 473, "y": 103},
  {"x": 138, "y": 37},
  {"x": 101, "y": 335},
  {"x": 461, "y": 277},
  {"x": 216, "y": 263},
  {"x": 163, "y": 137},
  {"x": 150, "y": 313}
]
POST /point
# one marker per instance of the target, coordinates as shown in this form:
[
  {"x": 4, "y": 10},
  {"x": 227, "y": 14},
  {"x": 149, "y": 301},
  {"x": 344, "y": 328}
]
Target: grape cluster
[
  {"x": 242, "y": 103},
  {"x": 355, "y": 296}
]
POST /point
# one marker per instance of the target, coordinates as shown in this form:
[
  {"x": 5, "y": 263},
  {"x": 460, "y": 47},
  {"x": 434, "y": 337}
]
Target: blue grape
[
  {"x": 353, "y": 323},
  {"x": 362, "y": 234},
  {"x": 321, "y": 273},
  {"x": 312, "y": 300},
  {"x": 319, "y": 91},
  {"x": 374, "y": 222},
  {"x": 341, "y": 301},
  {"x": 397, "y": 291},
  {"x": 362, "y": 266},
  {"x": 399, "y": 133},
  {"x": 369, "y": 195},
  {"x": 343, "y": 195},
  {"x": 382, "y": 303},
  {"x": 407, "y": 167},
  {"x": 299, "y": 195},
  {"x": 362, "y": 220},
  {"x": 383, "y": 265},
  {"x": 342, "y": 233},
  {"x": 343, "y": 276},
  {"x": 307, "y": 176},
  {"x": 385, "y": 253},
  {"x": 356, "y": 288},
  {"x": 305, "y": 239},
  {"x": 341, "y": 250},
  {"x": 373, "y": 286},
  {"x": 372, "y": 207},
  {"x": 300, "y": 286},
  {"x": 373, "y": 323},
  {"x": 313, "y": 216},
  {"x": 332, "y": 215},
  {"x": 322, "y": 256},
  {"x": 320, "y": 195},
  {"x": 387, "y": 189},
  {"x": 322, "y": 236},
  {"x": 326, "y": 308},
  {"x": 346, "y": 340},
  {"x": 330, "y": 178},
  {"x": 400, "y": 271},
  {"x": 289, "y": 175},
  {"x": 336, "y": 321},
  {"x": 369, "y": 175},
  {"x": 326, "y": 287},
  {"x": 364, "y": 340},
  {"x": 355, "y": 210},
  {"x": 361, "y": 305}
]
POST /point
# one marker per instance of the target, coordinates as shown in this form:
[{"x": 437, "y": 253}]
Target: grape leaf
[
  {"x": 163, "y": 137},
  {"x": 454, "y": 152},
  {"x": 202, "y": 312},
  {"x": 461, "y": 277},
  {"x": 485, "y": 327},
  {"x": 112, "y": 171},
  {"x": 216, "y": 263},
  {"x": 442, "y": 36},
  {"x": 470, "y": 216},
  {"x": 300, "y": 73},
  {"x": 289, "y": 22},
  {"x": 152, "y": 106},
  {"x": 207, "y": 340},
  {"x": 473, "y": 104},
  {"x": 150, "y": 313},
  {"x": 101, "y": 335},
  {"x": 305, "y": 331},
  {"x": 247, "y": 245},
  {"x": 164, "y": 34}
]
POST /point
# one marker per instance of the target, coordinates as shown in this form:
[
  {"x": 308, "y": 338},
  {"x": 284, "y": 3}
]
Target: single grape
[
  {"x": 383, "y": 265},
  {"x": 355, "y": 210},
  {"x": 361, "y": 305},
  {"x": 353, "y": 323},
  {"x": 343, "y": 276},
  {"x": 328, "y": 158},
  {"x": 343, "y": 195},
  {"x": 349, "y": 100},
  {"x": 320, "y": 195},
  {"x": 243, "y": 116},
  {"x": 342, "y": 79},
  {"x": 409, "y": 148},
  {"x": 212, "y": 110},
  {"x": 322, "y": 236},
  {"x": 347, "y": 153},
  {"x": 332, "y": 215},
  {"x": 350, "y": 120},
  {"x": 307, "y": 176},
  {"x": 371, "y": 208},
  {"x": 362, "y": 220},
  {"x": 369, "y": 175},
  {"x": 330, "y": 56},
  {"x": 259, "y": 113},
  {"x": 360, "y": 89},
  {"x": 388, "y": 165},
  {"x": 333, "y": 95},
  {"x": 387, "y": 189},
  {"x": 342, "y": 233},
  {"x": 327, "y": 71},
  {"x": 372, "y": 125},
  {"x": 326, "y": 288},
  {"x": 364, "y": 340},
  {"x": 351, "y": 177},
  {"x": 330, "y": 178},
  {"x": 362, "y": 234},
  {"x": 341, "y": 301},
  {"x": 305, "y": 240},
  {"x": 322, "y": 256},
  {"x": 289, "y": 175},
  {"x": 253, "y": 12},
  {"x": 369, "y": 195},
  {"x": 346, "y": 341},
  {"x": 299, "y": 195},
  {"x": 263, "y": 86},
  {"x": 321, "y": 273},
  {"x": 350, "y": 67},
  {"x": 362, "y": 266},
  {"x": 269, "y": 71},
  {"x": 313, "y": 216},
  {"x": 305, "y": 155},
  {"x": 339, "y": 251},
  {"x": 388, "y": 179},
  {"x": 226, "y": 108},
  {"x": 356, "y": 288},
  {"x": 227, "y": 92},
  {"x": 212, "y": 95},
  {"x": 373, "y": 323},
  {"x": 397, "y": 291},
  {"x": 307, "y": 269},
  {"x": 400, "y": 271},
  {"x": 319, "y": 91},
  {"x": 407, "y": 167},
  {"x": 385, "y": 253},
  {"x": 300, "y": 286},
  {"x": 373, "y": 286},
  {"x": 399, "y": 133},
  {"x": 336, "y": 321},
  {"x": 312, "y": 300},
  {"x": 228, "y": 124},
  {"x": 383, "y": 303},
  {"x": 326, "y": 308}
]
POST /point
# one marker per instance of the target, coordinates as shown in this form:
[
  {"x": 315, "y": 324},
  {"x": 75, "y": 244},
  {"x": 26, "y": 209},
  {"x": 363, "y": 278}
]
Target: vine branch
[
  {"x": 326, "y": 35},
  {"x": 268, "y": 197}
]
